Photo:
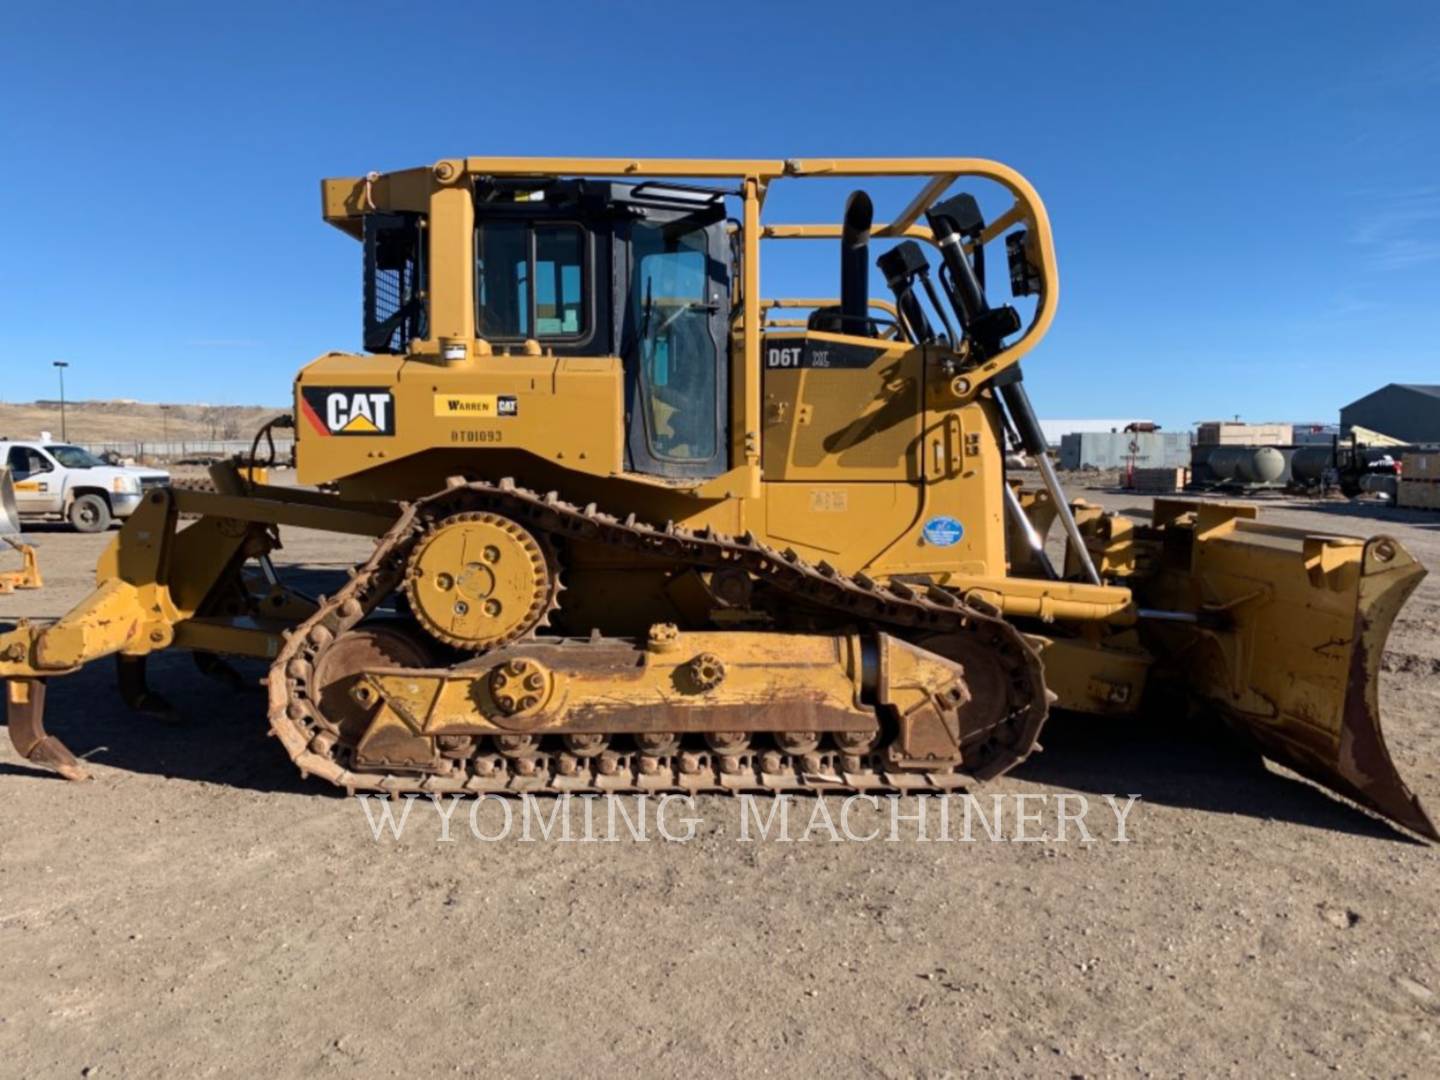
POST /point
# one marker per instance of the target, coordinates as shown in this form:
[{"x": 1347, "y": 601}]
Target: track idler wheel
[
  {"x": 338, "y": 672},
  {"x": 983, "y": 731}
]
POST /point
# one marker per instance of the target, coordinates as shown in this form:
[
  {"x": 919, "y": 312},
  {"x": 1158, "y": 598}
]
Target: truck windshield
[{"x": 72, "y": 457}]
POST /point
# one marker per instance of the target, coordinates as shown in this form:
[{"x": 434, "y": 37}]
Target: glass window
[
  {"x": 671, "y": 308},
  {"x": 502, "y": 267},
  {"x": 72, "y": 457},
  {"x": 24, "y": 460},
  {"x": 559, "y": 255},
  {"x": 530, "y": 276}
]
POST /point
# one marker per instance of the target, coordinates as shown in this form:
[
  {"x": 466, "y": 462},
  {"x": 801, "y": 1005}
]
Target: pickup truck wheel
[{"x": 89, "y": 514}]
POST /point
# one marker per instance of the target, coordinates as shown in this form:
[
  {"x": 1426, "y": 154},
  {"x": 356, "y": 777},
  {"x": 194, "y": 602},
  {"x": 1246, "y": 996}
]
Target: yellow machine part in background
[{"x": 28, "y": 575}]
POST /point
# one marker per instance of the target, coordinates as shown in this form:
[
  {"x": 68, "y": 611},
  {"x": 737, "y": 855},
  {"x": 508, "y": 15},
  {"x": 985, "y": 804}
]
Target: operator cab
[{"x": 590, "y": 268}]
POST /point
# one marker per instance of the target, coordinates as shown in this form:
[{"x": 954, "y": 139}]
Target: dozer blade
[
  {"x": 1290, "y": 634},
  {"x": 9, "y": 512}
]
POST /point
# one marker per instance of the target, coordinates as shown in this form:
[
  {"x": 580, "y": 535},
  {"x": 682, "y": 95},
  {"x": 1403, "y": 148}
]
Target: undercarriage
[{"x": 931, "y": 691}]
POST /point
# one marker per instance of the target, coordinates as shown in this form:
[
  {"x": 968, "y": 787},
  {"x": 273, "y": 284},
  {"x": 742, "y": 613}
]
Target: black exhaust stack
[{"x": 855, "y": 264}]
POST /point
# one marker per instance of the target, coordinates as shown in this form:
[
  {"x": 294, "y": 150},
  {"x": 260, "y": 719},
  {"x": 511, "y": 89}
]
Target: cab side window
[
  {"x": 531, "y": 281},
  {"x": 24, "y": 461}
]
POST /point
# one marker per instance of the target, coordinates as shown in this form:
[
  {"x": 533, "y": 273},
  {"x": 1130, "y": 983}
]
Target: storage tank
[
  {"x": 1247, "y": 464},
  {"x": 1224, "y": 461},
  {"x": 1308, "y": 463}
]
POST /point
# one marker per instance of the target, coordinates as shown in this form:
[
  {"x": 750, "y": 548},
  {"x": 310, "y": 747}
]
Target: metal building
[
  {"x": 1408, "y": 412},
  {"x": 1055, "y": 430},
  {"x": 1116, "y": 450}
]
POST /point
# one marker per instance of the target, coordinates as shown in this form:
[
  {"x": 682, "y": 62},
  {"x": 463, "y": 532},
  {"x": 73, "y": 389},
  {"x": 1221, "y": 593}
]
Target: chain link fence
[{"x": 181, "y": 449}]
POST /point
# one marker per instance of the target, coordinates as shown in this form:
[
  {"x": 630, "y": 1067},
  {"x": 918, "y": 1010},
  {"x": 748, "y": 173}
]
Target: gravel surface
[{"x": 199, "y": 909}]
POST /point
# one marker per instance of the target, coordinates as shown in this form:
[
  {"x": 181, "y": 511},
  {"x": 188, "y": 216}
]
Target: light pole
[
  {"x": 165, "y": 420},
  {"x": 62, "y": 365}
]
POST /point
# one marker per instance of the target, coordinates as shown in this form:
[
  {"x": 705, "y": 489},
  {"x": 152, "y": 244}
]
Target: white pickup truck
[{"x": 56, "y": 480}]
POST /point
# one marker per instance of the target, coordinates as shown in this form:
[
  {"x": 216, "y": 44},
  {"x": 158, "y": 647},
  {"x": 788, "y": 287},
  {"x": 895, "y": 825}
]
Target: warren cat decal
[
  {"x": 349, "y": 410},
  {"x": 480, "y": 406}
]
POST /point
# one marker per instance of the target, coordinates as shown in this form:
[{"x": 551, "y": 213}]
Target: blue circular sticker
[{"x": 943, "y": 531}]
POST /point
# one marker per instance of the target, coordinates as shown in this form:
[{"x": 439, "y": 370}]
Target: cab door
[
  {"x": 676, "y": 320},
  {"x": 39, "y": 485}
]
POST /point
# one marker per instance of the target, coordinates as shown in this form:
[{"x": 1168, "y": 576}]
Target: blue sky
[{"x": 1245, "y": 196}]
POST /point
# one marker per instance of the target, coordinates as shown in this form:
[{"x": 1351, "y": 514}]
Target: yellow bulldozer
[{"x": 639, "y": 527}]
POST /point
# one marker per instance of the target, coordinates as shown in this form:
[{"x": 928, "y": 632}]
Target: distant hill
[{"x": 101, "y": 421}]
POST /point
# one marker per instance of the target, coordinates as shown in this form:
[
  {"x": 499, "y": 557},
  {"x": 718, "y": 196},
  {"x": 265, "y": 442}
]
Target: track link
[{"x": 309, "y": 737}]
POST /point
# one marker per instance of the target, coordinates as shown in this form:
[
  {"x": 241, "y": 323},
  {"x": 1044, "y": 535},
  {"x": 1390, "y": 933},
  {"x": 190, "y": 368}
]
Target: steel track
[{"x": 309, "y": 737}]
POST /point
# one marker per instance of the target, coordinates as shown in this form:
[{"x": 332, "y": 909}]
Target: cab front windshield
[{"x": 72, "y": 457}]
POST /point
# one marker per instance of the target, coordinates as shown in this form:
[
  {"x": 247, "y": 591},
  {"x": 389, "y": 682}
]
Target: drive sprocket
[{"x": 479, "y": 580}]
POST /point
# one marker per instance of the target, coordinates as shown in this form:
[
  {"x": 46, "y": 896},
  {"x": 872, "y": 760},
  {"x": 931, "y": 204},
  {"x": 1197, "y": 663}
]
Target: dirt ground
[{"x": 199, "y": 909}]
